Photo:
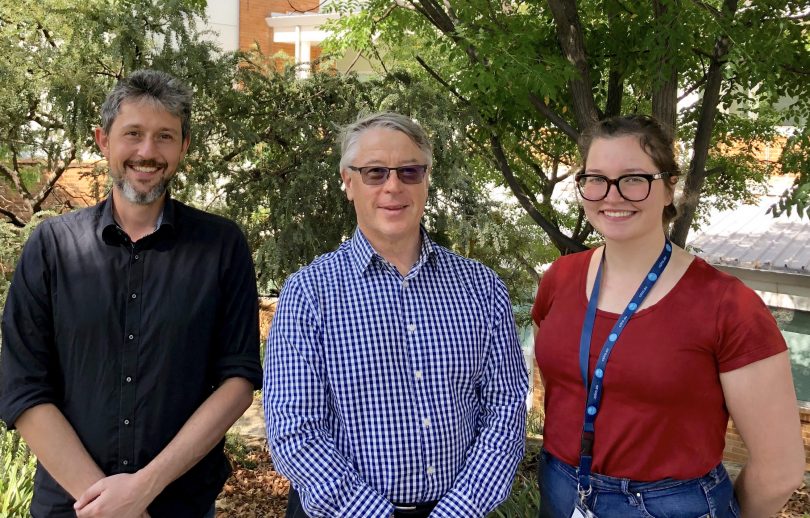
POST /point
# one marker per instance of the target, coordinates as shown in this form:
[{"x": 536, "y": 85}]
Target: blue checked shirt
[{"x": 383, "y": 389}]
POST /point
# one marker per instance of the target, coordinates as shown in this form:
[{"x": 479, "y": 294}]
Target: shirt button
[
  {"x": 411, "y": 327},
  {"x": 129, "y": 379},
  {"x": 125, "y": 462},
  {"x": 418, "y": 375},
  {"x": 430, "y": 470},
  {"x": 405, "y": 283},
  {"x": 134, "y": 295},
  {"x": 126, "y": 422},
  {"x": 426, "y": 422},
  {"x": 131, "y": 337}
]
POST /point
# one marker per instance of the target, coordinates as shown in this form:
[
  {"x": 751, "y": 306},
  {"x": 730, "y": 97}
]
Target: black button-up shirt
[{"x": 128, "y": 340}]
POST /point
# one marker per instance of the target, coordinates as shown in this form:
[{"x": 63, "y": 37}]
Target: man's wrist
[{"x": 149, "y": 478}]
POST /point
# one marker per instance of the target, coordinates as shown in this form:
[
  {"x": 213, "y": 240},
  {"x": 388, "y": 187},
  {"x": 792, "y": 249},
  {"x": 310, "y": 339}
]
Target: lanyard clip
[
  {"x": 586, "y": 444},
  {"x": 583, "y": 494}
]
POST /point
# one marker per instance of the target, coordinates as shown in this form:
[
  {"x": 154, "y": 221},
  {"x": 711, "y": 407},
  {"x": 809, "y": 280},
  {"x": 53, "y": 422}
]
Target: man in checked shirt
[{"x": 394, "y": 384}]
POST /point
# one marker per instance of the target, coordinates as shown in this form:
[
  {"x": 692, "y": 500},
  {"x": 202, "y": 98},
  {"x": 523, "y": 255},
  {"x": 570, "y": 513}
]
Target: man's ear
[
  {"x": 347, "y": 183},
  {"x": 102, "y": 141},
  {"x": 186, "y": 144}
]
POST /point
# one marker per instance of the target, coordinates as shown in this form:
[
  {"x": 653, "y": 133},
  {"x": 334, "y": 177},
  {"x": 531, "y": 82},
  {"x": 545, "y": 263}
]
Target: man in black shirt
[{"x": 130, "y": 334}]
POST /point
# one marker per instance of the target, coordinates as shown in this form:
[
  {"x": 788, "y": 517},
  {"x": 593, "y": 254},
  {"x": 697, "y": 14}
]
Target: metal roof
[{"x": 748, "y": 237}]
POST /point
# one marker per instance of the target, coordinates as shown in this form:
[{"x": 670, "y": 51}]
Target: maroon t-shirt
[{"x": 662, "y": 413}]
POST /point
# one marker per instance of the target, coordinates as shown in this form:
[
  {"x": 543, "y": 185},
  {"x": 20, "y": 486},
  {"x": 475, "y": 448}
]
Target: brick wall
[
  {"x": 253, "y": 28},
  {"x": 78, "y": 187}
]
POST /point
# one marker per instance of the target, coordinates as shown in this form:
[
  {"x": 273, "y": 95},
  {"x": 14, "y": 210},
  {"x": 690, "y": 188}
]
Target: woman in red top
[{"x": 670, "y": 347}]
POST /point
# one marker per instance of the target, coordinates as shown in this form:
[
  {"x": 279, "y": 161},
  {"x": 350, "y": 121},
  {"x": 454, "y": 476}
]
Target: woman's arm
[{"x": 761, "y": 400}]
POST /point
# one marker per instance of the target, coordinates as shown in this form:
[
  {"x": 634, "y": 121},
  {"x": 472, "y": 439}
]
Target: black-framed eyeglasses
[
  {"x": 378, "y": 175},
  {"x": 631, "y": 187}
]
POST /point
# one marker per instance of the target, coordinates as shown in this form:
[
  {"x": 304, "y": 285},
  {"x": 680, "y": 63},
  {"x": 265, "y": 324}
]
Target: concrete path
[{"x": 251, "y": 425}]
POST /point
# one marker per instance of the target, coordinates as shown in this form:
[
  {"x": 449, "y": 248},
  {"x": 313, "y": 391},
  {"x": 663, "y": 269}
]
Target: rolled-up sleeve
[
  {"x": 27, "y": 354},
  {"x": 238, "y": 317}
]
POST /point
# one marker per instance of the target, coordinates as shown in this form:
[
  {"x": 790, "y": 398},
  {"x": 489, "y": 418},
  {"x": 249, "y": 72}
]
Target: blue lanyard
[{"x": 595, "y": 390}]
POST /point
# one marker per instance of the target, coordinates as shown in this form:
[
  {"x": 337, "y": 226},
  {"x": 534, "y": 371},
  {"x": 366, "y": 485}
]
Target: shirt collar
[
  {"x": 111, "y": 233},
  {"x": 363, "y": 254}
]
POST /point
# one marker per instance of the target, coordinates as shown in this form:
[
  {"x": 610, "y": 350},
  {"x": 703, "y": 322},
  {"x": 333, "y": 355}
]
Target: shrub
[{"x": 17, "y": 477}]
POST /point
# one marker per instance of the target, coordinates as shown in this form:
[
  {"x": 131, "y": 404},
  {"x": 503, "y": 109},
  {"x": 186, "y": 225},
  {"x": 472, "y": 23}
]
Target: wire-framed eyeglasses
[
  {"x": 378, "y": 175},
  {"x": 631, "y": 187}
]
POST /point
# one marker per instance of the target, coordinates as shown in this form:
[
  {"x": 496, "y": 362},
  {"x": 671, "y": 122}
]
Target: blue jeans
[
  {"x": 211, "y": 512},
  {"x": 710, "y": 496}
]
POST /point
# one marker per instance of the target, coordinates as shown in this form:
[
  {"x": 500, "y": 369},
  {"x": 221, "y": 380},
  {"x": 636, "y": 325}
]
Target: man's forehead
[{"x": 144, "y": 106}]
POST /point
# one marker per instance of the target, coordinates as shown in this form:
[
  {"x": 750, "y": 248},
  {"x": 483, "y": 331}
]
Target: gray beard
[{"x": 141, "y": 198}]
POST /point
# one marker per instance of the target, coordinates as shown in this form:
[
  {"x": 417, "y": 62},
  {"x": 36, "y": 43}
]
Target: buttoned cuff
[
  {"x": 367, "y": 503},
  {"x": 455, "y": 504}
]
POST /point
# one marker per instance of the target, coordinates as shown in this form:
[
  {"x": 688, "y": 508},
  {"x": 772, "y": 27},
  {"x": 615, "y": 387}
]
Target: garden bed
[{"x": 255, "y": 490}]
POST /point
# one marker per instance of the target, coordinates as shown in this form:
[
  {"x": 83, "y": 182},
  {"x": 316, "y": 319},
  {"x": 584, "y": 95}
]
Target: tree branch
[
  {"x": 692, "y": 88},
  {"x": 563, "y": 243},
  {"x": 435, "y": 75},
  {"x": 12, "y": 218},
  {"x": 553, "y": 116},
  {"x": 57, "y": 173},
  {"x": 696, "y": 175},
  {"x": 665, "y": 91},
  {"x": 527, "y": 266},
  {"x": 14, "y": 175},
  {"x": 572, "y": 43}
]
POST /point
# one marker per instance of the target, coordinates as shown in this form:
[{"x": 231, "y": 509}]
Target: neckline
[{"x": 583, "y": 281}]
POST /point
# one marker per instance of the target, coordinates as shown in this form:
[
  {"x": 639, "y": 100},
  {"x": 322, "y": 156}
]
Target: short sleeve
[
  {"x": 545, "y": 293},
  {"x": 747, "y": 332}
]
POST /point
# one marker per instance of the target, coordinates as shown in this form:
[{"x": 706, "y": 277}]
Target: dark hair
[
  {"x": 154, "y": 86},
  {"x": 655, "y": 139}
]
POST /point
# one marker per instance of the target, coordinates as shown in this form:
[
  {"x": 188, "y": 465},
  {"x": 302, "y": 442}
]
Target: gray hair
[
  {"x": 350, "y": 134},
  {"x": 152, "y": 86}
]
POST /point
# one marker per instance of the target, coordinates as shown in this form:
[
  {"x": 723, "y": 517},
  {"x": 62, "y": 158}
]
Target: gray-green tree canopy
[
  {"x": 537, "y": 73},
  {"x": 263, "y": 142}
]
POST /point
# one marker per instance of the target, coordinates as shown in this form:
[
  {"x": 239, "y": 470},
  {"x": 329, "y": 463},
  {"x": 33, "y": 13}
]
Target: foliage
[
  {"x": 275, "y": 168},
  {"x": 796, "y": 158},
  {"x": 524, "y": 500},
  {"x": 17, "y": 480},
  {"x": 60, "y": 58},
  {"x": 263, "y": 142},
  {"x": 238, "y": 451},
  {"x": 536, "y": 74},
  {"x": 534, "y": 421}
]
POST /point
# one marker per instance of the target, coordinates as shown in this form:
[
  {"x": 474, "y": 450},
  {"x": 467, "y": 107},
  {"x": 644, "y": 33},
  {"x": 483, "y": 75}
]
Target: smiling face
[
  {"x": 614, "y": 217},
  {"x": 392, "y": 211},
  {"x": 143, "y": 147}
]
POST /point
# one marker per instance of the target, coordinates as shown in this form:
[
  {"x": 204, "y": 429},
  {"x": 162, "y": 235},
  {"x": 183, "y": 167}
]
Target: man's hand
[{"x": 118, "y": 496}]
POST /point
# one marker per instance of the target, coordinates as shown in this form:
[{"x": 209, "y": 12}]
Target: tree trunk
[
  {"x": 569, "y": 35},
  {"x": 665, "y": 90},
  {"x": 708, "y": 111},
  {"x": 564, "y": 243}
]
